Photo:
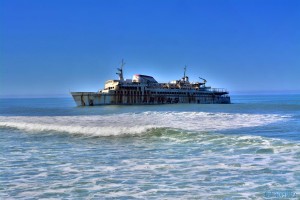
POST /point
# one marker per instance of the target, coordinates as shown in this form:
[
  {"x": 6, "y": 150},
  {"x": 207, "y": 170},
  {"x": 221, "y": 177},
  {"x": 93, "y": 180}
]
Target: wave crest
[{"x": 137, "y": 123}]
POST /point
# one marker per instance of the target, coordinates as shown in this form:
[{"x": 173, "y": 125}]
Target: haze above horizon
[{"x": 51, "y": 47}]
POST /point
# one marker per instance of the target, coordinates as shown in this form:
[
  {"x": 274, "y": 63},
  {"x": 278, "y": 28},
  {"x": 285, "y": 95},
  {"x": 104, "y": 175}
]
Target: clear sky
[{"x": 52, "y": 46}]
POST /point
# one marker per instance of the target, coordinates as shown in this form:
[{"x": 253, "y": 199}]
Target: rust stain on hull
[{"x": 121, "y": 99}]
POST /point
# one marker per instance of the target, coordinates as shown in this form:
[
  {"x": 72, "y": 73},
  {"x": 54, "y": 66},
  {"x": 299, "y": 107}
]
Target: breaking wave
[{"x": 137, "y": 123}]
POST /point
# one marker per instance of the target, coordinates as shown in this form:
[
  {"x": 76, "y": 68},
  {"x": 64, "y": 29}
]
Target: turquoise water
[{"x": 246, "y": 150}]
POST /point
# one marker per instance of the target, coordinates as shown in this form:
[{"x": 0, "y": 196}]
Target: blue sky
[{"x": 50, "y": 47}]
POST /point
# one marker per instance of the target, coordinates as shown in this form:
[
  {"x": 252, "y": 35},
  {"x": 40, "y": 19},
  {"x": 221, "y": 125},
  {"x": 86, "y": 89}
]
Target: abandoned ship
[{"x": 143, "y": 90}]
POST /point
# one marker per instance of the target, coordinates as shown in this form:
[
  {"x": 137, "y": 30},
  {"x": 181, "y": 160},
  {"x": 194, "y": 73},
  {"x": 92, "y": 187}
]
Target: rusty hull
[{"x": 135, "y": 98}]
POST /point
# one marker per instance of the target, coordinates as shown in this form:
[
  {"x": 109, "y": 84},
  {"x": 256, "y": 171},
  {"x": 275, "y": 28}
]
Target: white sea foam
[
  {"x": 206, "y": 168},
  {"x": 136, "y": 123},
  {"x": 210, "y": 166}
]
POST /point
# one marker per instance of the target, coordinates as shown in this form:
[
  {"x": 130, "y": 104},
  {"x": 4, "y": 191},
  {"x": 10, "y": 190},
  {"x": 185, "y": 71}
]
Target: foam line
[{"x": 136, "y": 123}]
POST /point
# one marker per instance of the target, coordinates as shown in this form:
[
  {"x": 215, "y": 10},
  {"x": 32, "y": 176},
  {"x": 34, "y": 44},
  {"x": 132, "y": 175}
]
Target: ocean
[{"x": 51, "y": 149}]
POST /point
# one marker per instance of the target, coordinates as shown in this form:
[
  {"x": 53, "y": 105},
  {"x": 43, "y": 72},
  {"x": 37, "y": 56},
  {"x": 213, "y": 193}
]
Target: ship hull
[{"x": 97, "y": 99}]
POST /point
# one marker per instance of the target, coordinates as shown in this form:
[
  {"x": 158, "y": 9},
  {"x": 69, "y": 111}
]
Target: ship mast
[
  {"x": 120, "y": 71},
  {"x": 184, "y": 72},
  {"x": 185, "y": 78}
]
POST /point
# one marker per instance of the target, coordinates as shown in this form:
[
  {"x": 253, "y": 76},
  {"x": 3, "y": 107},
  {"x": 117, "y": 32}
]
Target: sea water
[{"x": 49, "y": 148}]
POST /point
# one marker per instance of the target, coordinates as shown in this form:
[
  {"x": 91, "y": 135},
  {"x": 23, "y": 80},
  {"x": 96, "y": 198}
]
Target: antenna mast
[
  {"x": 185, "y": 78},
  {"x": 120, "y": 71}
]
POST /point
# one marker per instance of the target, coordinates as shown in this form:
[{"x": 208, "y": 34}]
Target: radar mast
[
  {"x": 185, "y": 78},
  {"x": 120, "y": 71},
  {"x": 184, "y": 72}
]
